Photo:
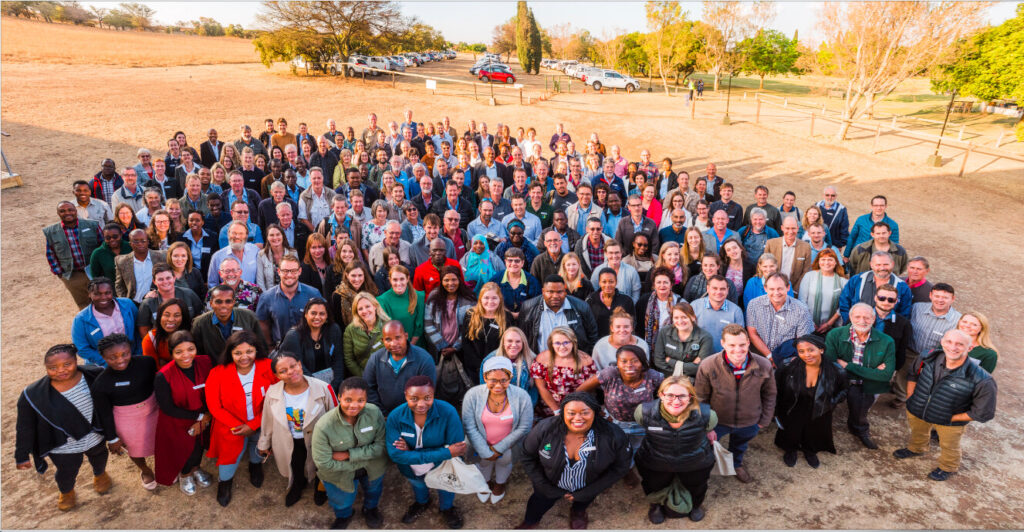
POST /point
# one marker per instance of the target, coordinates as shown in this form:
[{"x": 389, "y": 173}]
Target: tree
[
  {"x": 117, "y": 18},
  {"x": 418, "y": 36},
  {"x": 769, "y": 52},
  {"x": 671, "y": 41},
  {"x": 875, "y": 46},
  {"x": 327, "y": 27},
  {"x": 725, "y": 26},
  {"x": 141, "y": 15},
  {"x": 988, "y": 65},
  {"x": 522, "y": 26},
  {"x": 536, "y": 45},
  {"x": 98, "y": 14},
  {"x": 609, "y": 47},
  {"x": 208, "y": 27},
  {"x": 17, "y": 9},
  {"x": 72, "y": 12},
  {"x": 633, "y": 58},
  {"x": 503, "y": 39}
]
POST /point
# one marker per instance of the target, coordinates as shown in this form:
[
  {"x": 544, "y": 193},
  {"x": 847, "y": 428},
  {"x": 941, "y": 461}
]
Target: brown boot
[
  {"x": 632, "y": 478},
  {"x": 102, "y": 483},
  {"x": 66, "y": 501},
  {"x": 743, "y": 476}
]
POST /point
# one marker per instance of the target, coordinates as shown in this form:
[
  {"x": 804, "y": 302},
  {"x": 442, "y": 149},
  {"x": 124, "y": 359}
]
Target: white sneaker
[{"x": 484, "y": 496}]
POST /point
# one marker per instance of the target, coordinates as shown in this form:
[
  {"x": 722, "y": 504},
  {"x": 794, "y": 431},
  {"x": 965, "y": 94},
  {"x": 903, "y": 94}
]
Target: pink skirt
[{"x": 136, "y": 426}]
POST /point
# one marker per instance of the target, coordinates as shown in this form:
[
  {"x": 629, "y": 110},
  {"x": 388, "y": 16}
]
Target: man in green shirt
[
  {"x": 536, "y": 205},
  {"x": 101, "y": 262}
]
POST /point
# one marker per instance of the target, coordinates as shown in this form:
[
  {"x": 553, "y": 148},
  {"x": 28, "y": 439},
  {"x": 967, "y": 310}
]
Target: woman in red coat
[{"x": 234, "y": 395}]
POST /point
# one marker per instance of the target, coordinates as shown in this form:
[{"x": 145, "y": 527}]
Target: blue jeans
[
  {"x": 635, "y": 432},
  {"x": 446, "y": 499},
  {"x": 341, "y": 501},
  {"x": 739, "y": 437},
  {"x": 227, "y": 472}
]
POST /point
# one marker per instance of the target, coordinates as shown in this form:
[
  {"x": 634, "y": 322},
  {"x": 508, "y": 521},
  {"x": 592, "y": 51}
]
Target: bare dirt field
[{"x": 967, "y": 227}]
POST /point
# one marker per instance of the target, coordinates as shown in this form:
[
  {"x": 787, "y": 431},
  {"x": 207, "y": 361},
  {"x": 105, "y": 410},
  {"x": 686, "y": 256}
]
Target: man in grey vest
[
  {"x": 946, "y": 391},
  {"x": 69, "y": 244}
]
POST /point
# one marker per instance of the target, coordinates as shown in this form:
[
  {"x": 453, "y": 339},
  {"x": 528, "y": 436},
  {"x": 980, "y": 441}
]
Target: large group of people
[{"x": 415, "y": 294}]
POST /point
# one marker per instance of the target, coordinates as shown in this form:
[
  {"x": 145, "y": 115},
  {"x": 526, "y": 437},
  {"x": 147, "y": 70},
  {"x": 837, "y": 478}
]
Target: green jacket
[
  {"x": 90, "y": 236},
  {"x": 101, "y": 263},
  {"x": 880, "y": 349},
  {"x": 364, "y": 442},
  {"x": 358, "y": 345}
]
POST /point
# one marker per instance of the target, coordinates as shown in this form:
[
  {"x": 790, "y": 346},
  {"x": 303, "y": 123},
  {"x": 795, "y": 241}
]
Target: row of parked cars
[
  {"x": 490, "y": 68},
  {"x": 364, "y": 63},
  {"x": 596, "y": 77}
]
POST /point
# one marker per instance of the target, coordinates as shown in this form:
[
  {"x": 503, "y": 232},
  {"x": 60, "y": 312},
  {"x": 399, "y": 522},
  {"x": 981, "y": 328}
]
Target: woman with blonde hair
[
  {"x": 692, "y": 252},
  {"x": 669, "y": 259},
  {"x": 219, "y": 176},
  {"x": 560, "y": 369},
  {"x": 353, "y": 282},
  {"x": 484, "y": 325},
  {"x": 820, "y": 289},
  {"x": 767, "y": 264},
  {"x": 229, "y": 156},
  {"x": 975, "y": 324},
  {"x": 812, "y": 216},
  {"x": 404, "y": 303},
  {"x": 515, "y": 347},
  {"x": 621, "y": 325},
  {"x": 179, "y": 256},
  {"x": 576, "y": 283},
  {"x": 363, "y": 336},
  {"x": 678, "y": 445},
  {"x": 178, "y": 223}
]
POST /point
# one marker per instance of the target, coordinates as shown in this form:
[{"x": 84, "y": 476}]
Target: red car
[{"x": 496, "y": 73}]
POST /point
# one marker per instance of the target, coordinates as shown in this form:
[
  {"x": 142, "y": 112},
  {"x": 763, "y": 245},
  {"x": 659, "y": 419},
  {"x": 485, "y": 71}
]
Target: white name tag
[
  {"x": 588, "y": 449},
  {"x": 670, "y": 346},
  {"x": 366, "y": 429},
  {"x": 407, "y": 435},
  {"x": 495, "y": 326},
  {"x": 86, "y": 229},
  {"x": 123, "y": 383},
  {"x": 199, "y": 386},
  {"x": 937, "y": 332},
  {"x": 206, "y": 250},
  {"x": 640, "y": 389},
  {"x": 503, "y": 418},
  {"x": 654, "y": 429},
  {"x": 725, "y": 321},
  {"x": 800, "y": 258},
  {"x": 236, "y": 328},
  {"x": 95, "y": 331}
]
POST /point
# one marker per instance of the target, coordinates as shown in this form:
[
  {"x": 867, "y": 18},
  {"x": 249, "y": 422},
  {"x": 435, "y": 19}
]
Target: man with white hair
[
  {"x": 393, "y": 241},
  {"x": 945, "y": 392},
  {"x": 246, "y": 140},
  {"x": 835, "y": 217},
  {"x": 237, "y": 247},
  {"x": 869, "y": 357},
  {"x": 295, "y": 233}
]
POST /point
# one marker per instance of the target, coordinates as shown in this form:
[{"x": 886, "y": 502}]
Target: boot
[
  {"x": 256, "y": 474},
  {"x": 102, "y": 483},
  {"x": 66, "y": 501},
  {"x": 224, "y": 491}
]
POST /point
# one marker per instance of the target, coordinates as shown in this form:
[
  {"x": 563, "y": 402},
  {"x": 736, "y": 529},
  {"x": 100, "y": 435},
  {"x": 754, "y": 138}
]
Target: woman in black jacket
[
  {"x": 677, "y": 447},
  {"x": 56, "y": 418},
  {"x": 575, "y": 455},
  {"x": 317, "y": 342},
  {"x": 808, "y": 390}
]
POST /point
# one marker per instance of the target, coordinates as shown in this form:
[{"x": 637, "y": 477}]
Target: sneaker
[
  {"x": 697, "y": 514},
  {"x": 187, "y": 485},
  {"x": 66, "y": 501},
  {"x": 904, "y": 453},
  {"x": 789, "y": 458},
  {"x": 102, "y": 483},
  {"x": 939, "y": 475},
  {"x": 655, "y": 514},
  {"x": 341, "y": 523},
  {"x": 452, "y": 518},
  {"x": 812, "y": 459},
  {"x": 256, "y": 474},
  {"x": 373, "y": 518},
  {"x": 202, "y": 478},
  {"x": 743, "y": 476},
  {"x": 414, "y": 512}
]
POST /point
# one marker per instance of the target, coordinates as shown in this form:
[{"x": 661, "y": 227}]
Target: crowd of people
[{"x": 413, "y": 294}]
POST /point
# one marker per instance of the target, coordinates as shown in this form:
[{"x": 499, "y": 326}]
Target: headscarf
[
  {"x": 514, "y": 222},
  {"x": 478, "y": 265}
]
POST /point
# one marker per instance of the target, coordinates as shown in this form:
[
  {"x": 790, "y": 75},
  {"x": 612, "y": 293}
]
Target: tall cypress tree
[
  {"x": 523, "y": 35},
  {"x": 536, "y": 45}
]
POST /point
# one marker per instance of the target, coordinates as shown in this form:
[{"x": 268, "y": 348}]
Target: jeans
[
  {"x": 739, "y": 437},
  {"x": 227, "y": 472},
  {"x": 635, "y": 432},
  {"x": 446, "y": 499},
  {"x": 538, "y": 505},
  {"x": 68, "y": 465},
  {"x": 859, "y": 403},
  {"x": 341, "y": 501}
]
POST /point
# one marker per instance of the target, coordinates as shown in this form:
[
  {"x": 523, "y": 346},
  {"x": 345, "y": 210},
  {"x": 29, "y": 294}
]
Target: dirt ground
[{"x": 64, "y": 119}]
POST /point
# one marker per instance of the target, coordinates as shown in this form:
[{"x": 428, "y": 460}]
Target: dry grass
[{"x": 25, "y": 41}]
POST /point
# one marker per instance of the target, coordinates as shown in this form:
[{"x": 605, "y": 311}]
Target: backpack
[{"x": 452, "y": 381}]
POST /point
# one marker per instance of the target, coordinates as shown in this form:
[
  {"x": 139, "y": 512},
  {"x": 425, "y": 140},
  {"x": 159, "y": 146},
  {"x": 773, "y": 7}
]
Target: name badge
[
  {"x": 655, "y": 429},
  {"x": 366, "y": 429},
  {"x": 588, "y": 449},
  {"x": 86, "y": 229},
  {"x": 377, "y": 344},
  {"x": 407, "y": 435},
  {"x": 640, "y": 389},
  {"x": 503, "y": 418},
  {"x": 236, "y": 328},
  {"x": 937, "y": 332},
  {"x": 199, "y": 386},
  {"x": 206, "y": 250},
  {"x": 572, "y": 322},
  {"x": 727, "y": 322},
  {"x": 780, "y": 318},
  {"x": 800, "y": 258},
  {"x": 670, "y": 346},
  {"x": 95, "y": 331},
  {"x": 495, "y": 326},
  {"x": 123, "y": 383}
]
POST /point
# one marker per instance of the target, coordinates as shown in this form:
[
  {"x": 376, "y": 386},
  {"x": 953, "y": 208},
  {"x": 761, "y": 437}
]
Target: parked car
[
  {"x": 475, "y": 69},
  {"x": 357, "y": 65},
  {"x": 564, "y": 66},
  {"x": 396, "y": 63},
  {"x": 612, "y": 79},
  {"x": 496, "y": 72}
]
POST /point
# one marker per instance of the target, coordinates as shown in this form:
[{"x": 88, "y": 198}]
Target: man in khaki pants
[
  {"x": 946, "y": 391},
  {"x": 69, "y": 245}
]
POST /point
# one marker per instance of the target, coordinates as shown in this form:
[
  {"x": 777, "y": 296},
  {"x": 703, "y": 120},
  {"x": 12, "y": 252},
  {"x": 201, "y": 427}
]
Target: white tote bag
[
  {"x": 723, "y": 461},
  {"x": 456, "y": 476}
]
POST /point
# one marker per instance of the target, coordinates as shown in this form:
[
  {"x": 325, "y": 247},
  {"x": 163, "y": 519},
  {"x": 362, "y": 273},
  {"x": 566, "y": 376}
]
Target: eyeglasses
[
  {"x": 497, "y": 381},
  {"x": 561, "y": 344},
  {"x": 290, "y": 271},
  {"x": 239, "y": 211},
  {"x": 887, "y": 299},
  {"x": 671, "y": 397}
]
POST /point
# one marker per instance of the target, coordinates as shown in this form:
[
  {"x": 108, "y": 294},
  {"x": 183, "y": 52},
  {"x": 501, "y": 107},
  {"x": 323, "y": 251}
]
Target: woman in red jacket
[{"x": 234, "y": 395}]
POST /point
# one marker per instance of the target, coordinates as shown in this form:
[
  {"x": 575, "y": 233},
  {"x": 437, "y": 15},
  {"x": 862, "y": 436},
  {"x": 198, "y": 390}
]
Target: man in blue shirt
[
  {"x": 715, "y": 311},
  {"x": 861, "y": 231},
  {"x": 281, "y": 306},
  {"x": 719, "y": 233}
]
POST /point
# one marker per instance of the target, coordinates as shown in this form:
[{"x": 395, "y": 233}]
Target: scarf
[
  {"x": 669, "y": 417},
  {"x": 478, "y": 265},
  {"x": 652, "y": 320},
  {"x": 816, "y": 308}
]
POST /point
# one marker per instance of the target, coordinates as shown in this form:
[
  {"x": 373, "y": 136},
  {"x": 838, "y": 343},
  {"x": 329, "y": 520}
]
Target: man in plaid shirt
[{"x": 69, "y": 244}]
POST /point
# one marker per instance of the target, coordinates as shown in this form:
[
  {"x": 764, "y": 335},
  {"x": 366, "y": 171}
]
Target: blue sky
[{"x": 474, "y": 21}]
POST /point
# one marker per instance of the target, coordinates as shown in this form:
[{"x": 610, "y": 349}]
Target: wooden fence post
[
  {"x": 474, "y": 91},
  {"x": 812, "y": 124},
  {"x": 894, "y": 120},
  {"x": 520, "y": 96},
  {"x": 693, "y": 108},
  {"x": 963, "y": 164},
  {"x": 392, "y": 80},
  {"x": 757, "y": 115},
  {"x": 364, "y": 76},
  {"x": 822, "y": 109}
]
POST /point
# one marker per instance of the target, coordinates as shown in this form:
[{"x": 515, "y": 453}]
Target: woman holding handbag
[
  {"x": 420, "y": 435},
  {"x": 678, "y": 446},
  {"x": 496, "y": 416},
  {"x": 290, "y": 411}
]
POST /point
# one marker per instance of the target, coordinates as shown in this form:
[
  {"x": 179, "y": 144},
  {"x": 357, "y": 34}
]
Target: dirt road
[{"x": 64, "y": 120}]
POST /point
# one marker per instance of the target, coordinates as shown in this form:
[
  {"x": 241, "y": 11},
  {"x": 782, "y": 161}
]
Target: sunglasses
[{"x": 887, "y": 299}]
